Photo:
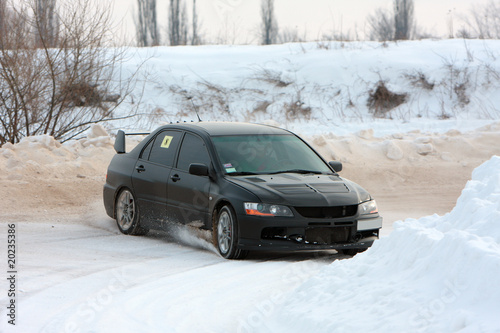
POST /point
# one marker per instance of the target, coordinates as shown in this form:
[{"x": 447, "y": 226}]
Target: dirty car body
[{"x": 256, "y": 187}]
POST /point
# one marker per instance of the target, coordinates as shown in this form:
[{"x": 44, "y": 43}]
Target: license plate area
[{"x": 327, "y": 235}]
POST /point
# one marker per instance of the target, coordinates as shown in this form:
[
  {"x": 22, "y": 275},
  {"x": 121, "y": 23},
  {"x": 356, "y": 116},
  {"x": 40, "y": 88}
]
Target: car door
[
  {"x": 188, "y": 195},
  {"x": 151, "y": 174}
]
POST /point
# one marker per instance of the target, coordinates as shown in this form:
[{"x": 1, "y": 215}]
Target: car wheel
[
  {"x": 127, "y": 214},
  {"x": 225, "y": 234}
]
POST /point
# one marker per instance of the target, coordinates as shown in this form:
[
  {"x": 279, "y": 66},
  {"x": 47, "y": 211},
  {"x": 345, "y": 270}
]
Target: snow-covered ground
[
  {"x": 323, "y": 87},
  {"x": 435, "y": 274},
  {"x": 428, "y": 273},
  {"x": 77, "y": 273}
]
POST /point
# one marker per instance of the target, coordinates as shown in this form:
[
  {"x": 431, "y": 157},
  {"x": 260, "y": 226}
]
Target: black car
[{"x": 256, "y": 187}]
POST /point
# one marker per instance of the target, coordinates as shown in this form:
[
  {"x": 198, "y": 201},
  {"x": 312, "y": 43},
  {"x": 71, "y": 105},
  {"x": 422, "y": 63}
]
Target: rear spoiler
[{"x": 120, "y": 141}]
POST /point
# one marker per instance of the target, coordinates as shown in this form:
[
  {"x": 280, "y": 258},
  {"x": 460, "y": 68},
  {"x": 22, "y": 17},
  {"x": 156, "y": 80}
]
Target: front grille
[
  {"x": 327, "y": 235},
  {"x": 274, "y": 233},
  {"x": 311, "y": 235},
  {"x": 327, "y": 212}
]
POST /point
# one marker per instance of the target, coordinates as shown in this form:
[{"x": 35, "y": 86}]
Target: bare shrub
[
  {"x": 458, "y": 82},
  {"x": 483, "y": 21},
  {"x": 383, "y": 100},
  {"x": 57, "y": 91},
  {"x": 217, "y": 96},
  {"x": 461, "y": 92},
  {"x": 492, "y": 74},
  {"x": 81, "y": 94},
  {"x": 463, "y": 33},
  {"x": 272, "y": 77},
  {"x": 157, "y": 114},
  {"x": 381, "y": 25},
  {"x": 420, "y": 80},
  {"x": 209, "y": 97},
  {"x": 262, "y": 106},
  {"x": 339, "y": 37},
  {"x": 444, "y": 115},
  {"x": 296, "y": 108},
  {"x": 290, "y": 35},
  {"x": 322, "y": 45}
]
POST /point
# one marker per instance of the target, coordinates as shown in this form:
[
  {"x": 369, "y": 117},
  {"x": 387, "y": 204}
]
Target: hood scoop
[
  {"x": 256, "y": 179},
  {"x": 337, "y": 187},
  {"x": 293, "y": 189}
]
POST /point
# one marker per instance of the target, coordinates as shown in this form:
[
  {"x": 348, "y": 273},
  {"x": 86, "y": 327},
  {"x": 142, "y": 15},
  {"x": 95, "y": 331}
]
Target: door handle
[
  {"x": 175, "y": 178},
  {"x": 140, "y": 168}
]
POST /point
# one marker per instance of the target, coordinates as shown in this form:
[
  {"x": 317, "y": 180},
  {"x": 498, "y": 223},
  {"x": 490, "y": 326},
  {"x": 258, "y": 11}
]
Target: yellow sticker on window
[{"x": 166, "y": 141}]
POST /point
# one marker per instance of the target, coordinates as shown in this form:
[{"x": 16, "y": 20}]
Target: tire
[
  {"x": 225, "y": 234},
  {"x": 127, "y": 214}
]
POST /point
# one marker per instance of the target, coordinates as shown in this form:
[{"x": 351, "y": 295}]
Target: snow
[
  {"x": 436, "y": 267},
  {"x": 313, "y": 88},
  {"x": 49, "y": 157},
  {"x": 434, "y": 274}
]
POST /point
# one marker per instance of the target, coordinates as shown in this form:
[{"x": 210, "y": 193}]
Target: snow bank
[
  {"x": 43, "y": 156},
  {"x": 435, "y": 274},
  {"x": 314, "y": 88},
  {"x": 363, "y": 148}
]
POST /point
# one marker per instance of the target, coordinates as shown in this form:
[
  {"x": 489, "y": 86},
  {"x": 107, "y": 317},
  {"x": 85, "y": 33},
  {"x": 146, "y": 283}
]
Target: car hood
[{"x": 303, "y": 190}]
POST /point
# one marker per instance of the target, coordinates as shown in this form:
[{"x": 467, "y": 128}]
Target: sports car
[{"x": 256, "y": 187}]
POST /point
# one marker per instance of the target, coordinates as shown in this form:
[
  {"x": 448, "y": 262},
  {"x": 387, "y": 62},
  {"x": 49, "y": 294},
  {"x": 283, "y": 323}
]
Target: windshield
[{"x": 265, "y": 154}]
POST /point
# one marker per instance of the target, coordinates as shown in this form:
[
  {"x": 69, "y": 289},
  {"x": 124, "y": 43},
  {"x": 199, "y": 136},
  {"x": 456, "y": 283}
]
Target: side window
[
  {"x": 164, "y": 147},
  {"x": 147, "y": 150},
  {"x": 193, "y": 150}
]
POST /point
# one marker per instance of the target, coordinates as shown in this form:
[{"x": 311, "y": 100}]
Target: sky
[{"x": 238, "y": 21}]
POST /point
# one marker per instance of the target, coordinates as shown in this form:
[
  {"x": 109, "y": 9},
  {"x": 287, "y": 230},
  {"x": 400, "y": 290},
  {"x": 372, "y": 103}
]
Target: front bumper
[{"x": 303, "y": 234}]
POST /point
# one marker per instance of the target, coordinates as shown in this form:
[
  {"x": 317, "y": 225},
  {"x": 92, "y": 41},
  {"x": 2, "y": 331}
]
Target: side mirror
[
  {"x": 198, "y": 169},
  {"x": 120, "y": 142},
  {"x": 336, "y": 165}
]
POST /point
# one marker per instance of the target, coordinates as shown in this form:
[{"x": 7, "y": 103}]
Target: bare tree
[
  {"x": 146, "y": 23},
  {"x": 403, "y": 19},
  {"x": 230, "y": 32},
  {"x": 381, "y": 25},
  {"x": 289, "y": 35},
  {"x": 58, "y": 91},
  {"x": 47, "y": 30},
  {"x": 269, "y": 27},
  {"x": 483, "y": 22},
  {"x": 195, "y": 37},
  {"x": 3, "y": 16},
  {"x": 177, "y": 23}
]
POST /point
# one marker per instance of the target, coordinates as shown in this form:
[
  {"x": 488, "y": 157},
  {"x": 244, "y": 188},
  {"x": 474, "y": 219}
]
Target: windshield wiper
[
  {"x": 241, "y": 173},
  {"x": 301, "y": 171}
]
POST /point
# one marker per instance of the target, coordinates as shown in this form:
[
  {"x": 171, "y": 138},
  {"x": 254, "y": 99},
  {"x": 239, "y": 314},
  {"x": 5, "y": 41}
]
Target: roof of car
[{"x": 230, "y": 128}]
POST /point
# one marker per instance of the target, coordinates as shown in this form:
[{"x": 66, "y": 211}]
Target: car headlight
[
  {"x": 262, "y": 209},
  {"x": 368, "y": 207}
]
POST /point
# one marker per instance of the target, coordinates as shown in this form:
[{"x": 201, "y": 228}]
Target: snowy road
[
  {"x": 90, "y": 278},
  {"x": 77, "y": 273}
]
